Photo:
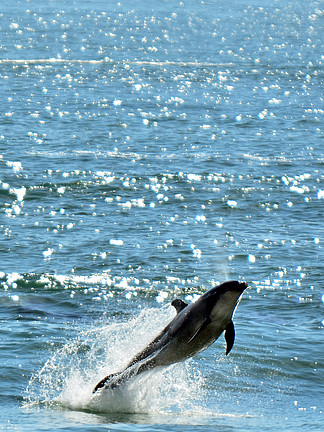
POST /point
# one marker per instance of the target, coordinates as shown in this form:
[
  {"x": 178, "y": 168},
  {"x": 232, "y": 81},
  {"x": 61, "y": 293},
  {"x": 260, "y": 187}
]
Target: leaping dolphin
[{"x": 195, "y": 327}]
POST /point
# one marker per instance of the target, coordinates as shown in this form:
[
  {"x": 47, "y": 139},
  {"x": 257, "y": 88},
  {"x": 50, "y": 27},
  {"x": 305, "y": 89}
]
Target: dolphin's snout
[
  {"x": 242, "y": 286},
  {"x": 236, "y": 286}
]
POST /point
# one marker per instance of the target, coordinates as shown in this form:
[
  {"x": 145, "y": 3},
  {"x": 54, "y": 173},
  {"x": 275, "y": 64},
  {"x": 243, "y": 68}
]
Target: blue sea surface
[{"x": 149, "y": 151}]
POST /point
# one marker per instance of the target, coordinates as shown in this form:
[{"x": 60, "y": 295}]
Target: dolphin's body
[{"x": 195, "y": 327}]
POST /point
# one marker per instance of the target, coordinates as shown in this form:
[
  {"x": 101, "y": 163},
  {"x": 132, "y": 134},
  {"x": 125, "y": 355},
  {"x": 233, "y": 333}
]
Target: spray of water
[{"x": 70, "y": 374}]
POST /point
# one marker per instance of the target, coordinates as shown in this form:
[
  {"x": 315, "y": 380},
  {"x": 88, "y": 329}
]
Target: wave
[
  {"x": 49, "y": 61},
  {"x": 53, "y": 60}
]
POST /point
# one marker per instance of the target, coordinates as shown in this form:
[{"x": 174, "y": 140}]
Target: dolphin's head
[
  {"x": 224, "y": 298},
  {"x": 230, "y": 286},
  {"x": 236, "y": 288}
]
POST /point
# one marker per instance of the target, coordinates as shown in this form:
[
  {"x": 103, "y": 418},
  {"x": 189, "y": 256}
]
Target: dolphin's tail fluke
[
  {"x": 116, "y": 379},
  {"x": 111, "y": 381}
]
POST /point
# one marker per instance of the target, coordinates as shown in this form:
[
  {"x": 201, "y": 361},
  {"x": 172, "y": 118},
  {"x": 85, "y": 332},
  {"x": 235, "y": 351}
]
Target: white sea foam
[
  {"x": 116, "y": 242},
  {"x": 71, "y": 372},
  {"x": 20, "y": 192},
  {"x": 231, "y": 203}
]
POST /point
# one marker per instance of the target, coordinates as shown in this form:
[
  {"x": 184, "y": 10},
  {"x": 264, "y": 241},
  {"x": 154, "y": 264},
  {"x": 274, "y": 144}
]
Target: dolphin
[{"x": 194, "y": 328}]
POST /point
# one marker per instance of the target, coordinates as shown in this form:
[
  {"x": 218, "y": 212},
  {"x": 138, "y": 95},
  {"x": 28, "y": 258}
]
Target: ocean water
[{"x": 150, "y": 151}]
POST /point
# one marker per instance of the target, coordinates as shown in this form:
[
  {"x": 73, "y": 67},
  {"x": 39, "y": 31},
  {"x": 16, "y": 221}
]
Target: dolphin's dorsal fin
[
  {"x": 229, "y": 336},
  {"x": 201, "y": 328},
  {"x": 179, "y": 305}
]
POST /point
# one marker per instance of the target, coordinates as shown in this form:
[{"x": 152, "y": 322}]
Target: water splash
[{"x": 70, "y": 374}]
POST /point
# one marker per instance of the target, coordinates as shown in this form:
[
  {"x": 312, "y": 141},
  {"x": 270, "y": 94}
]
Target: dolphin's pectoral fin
[
  {"x": 229, "y": 336},
  {"x": 179, "y": 305},
  {"x": 200, "y": 329}
]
